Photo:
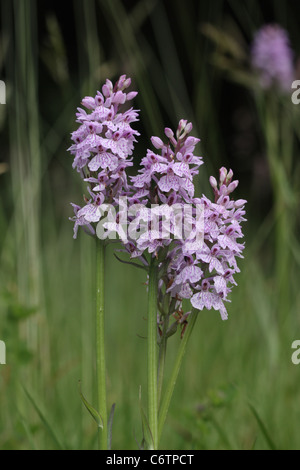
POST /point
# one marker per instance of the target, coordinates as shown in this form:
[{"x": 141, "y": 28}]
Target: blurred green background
[{"x": 238, "y": 388}]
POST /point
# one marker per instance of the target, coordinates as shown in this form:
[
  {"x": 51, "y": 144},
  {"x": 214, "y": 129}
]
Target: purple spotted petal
[{"x": 103, "y": 160}]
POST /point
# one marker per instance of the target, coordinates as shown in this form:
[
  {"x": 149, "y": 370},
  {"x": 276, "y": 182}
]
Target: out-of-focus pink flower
[{"x": 272, "y": 57}]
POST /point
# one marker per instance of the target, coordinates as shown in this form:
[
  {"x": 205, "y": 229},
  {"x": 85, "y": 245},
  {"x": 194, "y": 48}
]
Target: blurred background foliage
[{"x": 238, "y": 387}]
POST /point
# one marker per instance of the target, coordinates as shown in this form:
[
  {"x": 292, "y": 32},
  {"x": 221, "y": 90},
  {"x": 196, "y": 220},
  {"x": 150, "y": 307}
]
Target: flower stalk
[
  {"x": 152, "y": 352},
  {"x": 100, "y": 344},
  {"x": 162, "y": 357}
]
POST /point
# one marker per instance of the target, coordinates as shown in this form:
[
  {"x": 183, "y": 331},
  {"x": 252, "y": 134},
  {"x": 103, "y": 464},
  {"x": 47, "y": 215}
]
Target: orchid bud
[
  {"x": 89, "y": 102},
  {"x": 213, "y": 182},
  {"x": 157, "y": 142},
  {"x": 131, "y": 95},
  {"x": 232, "y": 186},
  {"x": 223, "y": 175}
]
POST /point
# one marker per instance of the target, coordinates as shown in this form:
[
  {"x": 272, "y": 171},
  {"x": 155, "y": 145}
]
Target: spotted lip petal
[
  {"x": 209, "y": 300},
  {"x": 103, "y": 160}
]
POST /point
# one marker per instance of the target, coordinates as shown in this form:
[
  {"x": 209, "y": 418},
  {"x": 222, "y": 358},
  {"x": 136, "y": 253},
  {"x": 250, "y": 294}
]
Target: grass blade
[
  {"x": 262, "y": 428},
  {"x": 93, "y": 412},
  {"x": 47, "y": 426},
  {"x": 147, "y": 434},
  {"x": 109, "y": 426}
]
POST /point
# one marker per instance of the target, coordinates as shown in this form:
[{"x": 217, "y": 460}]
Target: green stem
[
  {"x": 152, "y": 351},
  {"x": 162, "y": 358},
  {"x": 100, "y": 347},
  {"x": 172, "y": 381}
]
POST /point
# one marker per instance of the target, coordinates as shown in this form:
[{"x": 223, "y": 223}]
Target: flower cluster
[
  {"x": 198, "y": 257},
  {"x": 204, "y": 273},
  {"x": 164, "y": 182},
  {"x": 173, "y": 169},
  {"x": 193, "y": 240},
  {"x": 272, "y": 57},
  {"x": 102, "y": 144}
]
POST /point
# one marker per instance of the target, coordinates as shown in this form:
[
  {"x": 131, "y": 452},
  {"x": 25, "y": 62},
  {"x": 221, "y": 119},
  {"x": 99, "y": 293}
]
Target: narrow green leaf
[
  {"x": 222, "y": 432},
  {"x": 262, "y": 428},
  {"x": 93, "y": 412},
  {"x": 28, "y": 432},
  {"x": 147, "y": 434},
  {"x": 172, "y": 329},
  {"x": 109, "y": 426},
  {"x": 44, "y": 421},
  {"x": 140, "y": 266}
]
